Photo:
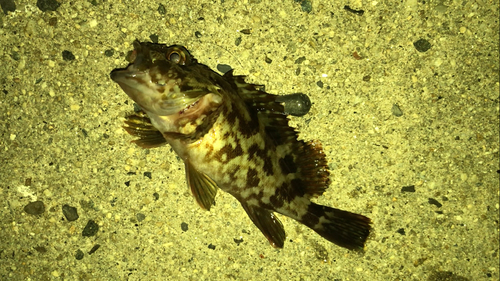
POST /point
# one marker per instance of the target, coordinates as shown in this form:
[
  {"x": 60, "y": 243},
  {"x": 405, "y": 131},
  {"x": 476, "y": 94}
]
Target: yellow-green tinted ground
[{"x": 61, "y": 140}]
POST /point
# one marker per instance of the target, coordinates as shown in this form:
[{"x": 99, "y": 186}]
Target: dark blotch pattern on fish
[
  {"x": 287, "y": 165},
  {"x": 228, "y": 153},
  {"x": 252, "y": 178}
]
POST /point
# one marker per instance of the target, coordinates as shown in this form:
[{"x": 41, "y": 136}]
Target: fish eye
[{"x": 175, "y": 57}]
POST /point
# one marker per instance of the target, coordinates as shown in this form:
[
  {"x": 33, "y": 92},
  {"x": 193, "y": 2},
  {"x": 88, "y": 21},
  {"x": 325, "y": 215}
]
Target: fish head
[{"x": 163, "y": 80}]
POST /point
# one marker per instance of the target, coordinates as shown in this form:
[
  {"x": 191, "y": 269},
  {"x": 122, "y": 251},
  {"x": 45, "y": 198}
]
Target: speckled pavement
[{"x": 405, "y": 101}]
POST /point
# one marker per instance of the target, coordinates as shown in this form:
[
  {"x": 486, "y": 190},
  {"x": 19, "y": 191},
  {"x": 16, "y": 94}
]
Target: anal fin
[
  {"x": 202, "y": 187},
  {"x": 268, "y": 224}
]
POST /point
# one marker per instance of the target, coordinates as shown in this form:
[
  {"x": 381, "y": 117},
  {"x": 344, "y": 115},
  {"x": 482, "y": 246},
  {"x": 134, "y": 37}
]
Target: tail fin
[{"x": 343, "y": 228}]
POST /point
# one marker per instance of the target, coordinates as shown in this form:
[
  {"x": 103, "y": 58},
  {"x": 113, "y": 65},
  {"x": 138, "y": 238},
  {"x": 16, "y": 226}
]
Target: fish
[{"x": 233, "y": 136}]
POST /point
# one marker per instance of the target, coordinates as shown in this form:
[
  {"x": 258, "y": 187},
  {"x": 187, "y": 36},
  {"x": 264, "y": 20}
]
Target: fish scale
[{"x": 235, "y": 137}]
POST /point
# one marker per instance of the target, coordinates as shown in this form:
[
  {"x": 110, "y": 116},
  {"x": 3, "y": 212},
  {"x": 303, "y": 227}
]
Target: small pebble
[
  {"x": 441, "y": 8},
  {"x": 409, "y": 188},
  {"x": 154, "y": 38},
  {"x": 422, "y": 45},
  {"x": 306, "y": 5},
  {"x": 435, "y": 202},
  {"x": 161, "y": 9},
  {"x": 90, "y": 229},
  {"x": 223, "y": 68},
  {"x": 445, "y": 275},
  {"x": 79, "y": 254},
  {"x": 320, "y": 252},
  {"x": 300, "y": 60},
  {"x": 53, "y": 21},
  {"x": 96, "y": 246},
  {"x": 356, "y": 12},
  {"x": 8, "y": 6},
  {"x": 67, "y": 55},
  {"x": 70, "y": 213},
  {"x": 396, "y": 111},
  {"x": 237, "y": 41},
  {"x": 295, "y": 104},
  {"x": 41, "y": 249},
  {"x": 184, "y": 226},
  {"x": 47, "y": 5},
  {"x": 35, "y": 208},
  {"x": 137, "y": 107},
  {"x": 140, "y": 217},
  {"x": 15, "y": 55},
  {"x": 109, "y": 53}
]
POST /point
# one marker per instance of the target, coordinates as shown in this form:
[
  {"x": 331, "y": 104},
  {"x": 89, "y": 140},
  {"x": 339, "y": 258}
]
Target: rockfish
[{"x": 233, "y": 136}]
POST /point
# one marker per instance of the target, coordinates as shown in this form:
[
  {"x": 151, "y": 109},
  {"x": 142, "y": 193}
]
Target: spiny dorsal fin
[
  {"x": 139, "y": 125},
  {"x": 312, "y": 176},
  {"x": 269, "y": 111}
]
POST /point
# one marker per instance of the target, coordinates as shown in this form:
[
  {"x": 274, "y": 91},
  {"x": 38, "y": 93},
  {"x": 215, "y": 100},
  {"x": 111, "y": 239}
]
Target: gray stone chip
[{"x": 35, "y": 208}]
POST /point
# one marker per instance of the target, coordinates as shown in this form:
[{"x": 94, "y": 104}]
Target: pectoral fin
[
  {"x": 202, "y": 187},
  {"x": 268, "y": 224},
  {"x": 139, "y": 125}
]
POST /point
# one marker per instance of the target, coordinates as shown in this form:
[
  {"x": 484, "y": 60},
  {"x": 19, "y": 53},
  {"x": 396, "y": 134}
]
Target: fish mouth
[
  {"x": 120, "y": 76},
  {"x": 123, "y": 78},
  {"x": 135, "y": 79},
  {"x": 161, "y": 84},
  {"x": 160, "y": 98},
  {"x": 127, "y": 78},
  {"x": 132, "y": 83}
]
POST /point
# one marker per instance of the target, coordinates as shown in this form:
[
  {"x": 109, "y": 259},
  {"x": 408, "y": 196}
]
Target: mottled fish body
[{"x": 233, "y": 136}]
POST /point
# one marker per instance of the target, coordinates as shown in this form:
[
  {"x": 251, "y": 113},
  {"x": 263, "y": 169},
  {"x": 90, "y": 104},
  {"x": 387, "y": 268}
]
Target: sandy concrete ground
[{"x": 411, "y": 137}]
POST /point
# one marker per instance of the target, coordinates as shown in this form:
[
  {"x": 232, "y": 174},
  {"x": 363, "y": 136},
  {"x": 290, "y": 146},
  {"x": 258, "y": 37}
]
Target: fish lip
[
  {"x": 116, "y": 75},
  {"x": 122, "y": 78},
  {"x": 120, "y": 75},
  {"x": 127, "y": 76}
]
